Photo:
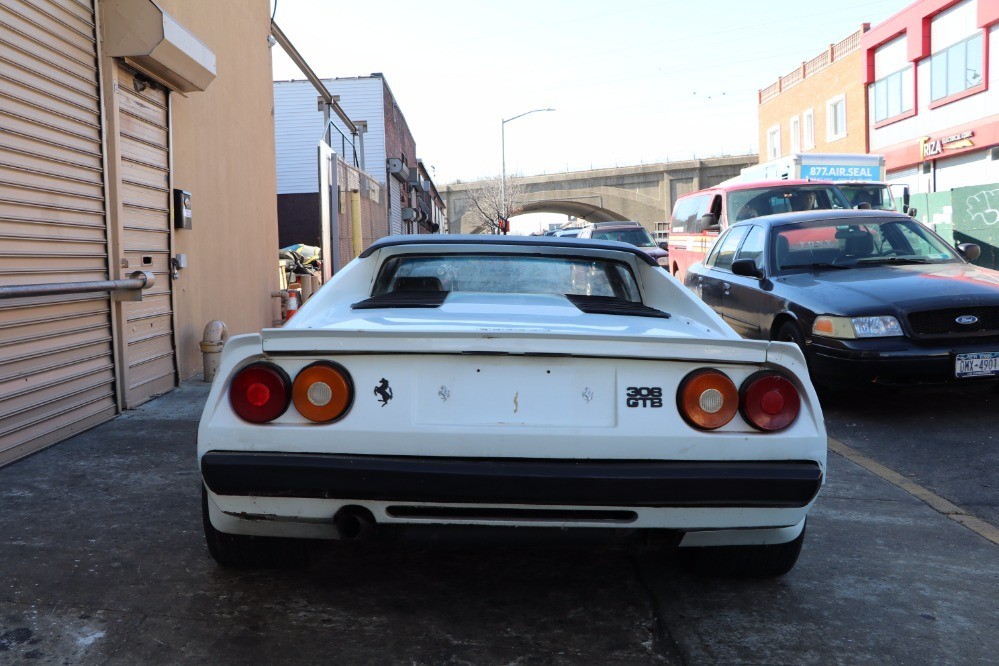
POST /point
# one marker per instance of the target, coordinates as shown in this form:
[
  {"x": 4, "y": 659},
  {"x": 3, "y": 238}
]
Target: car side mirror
[
  {"x": 663, "y": 245},
  {"x": 709, "y": 222},
  {"x": 746, "y": 268},
  {"x": 971, "y": 251},
  {"x": 913, "y": 211},
  {"x": 905, "y": 200}
]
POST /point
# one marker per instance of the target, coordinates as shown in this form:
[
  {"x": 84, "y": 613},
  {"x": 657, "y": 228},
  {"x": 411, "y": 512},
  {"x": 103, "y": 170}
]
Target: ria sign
[{"x": 933, "y": 147}]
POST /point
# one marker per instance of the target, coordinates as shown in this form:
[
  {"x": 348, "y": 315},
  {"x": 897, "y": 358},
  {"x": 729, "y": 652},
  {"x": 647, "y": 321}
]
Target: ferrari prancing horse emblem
[{"x": 383, "y": 391}]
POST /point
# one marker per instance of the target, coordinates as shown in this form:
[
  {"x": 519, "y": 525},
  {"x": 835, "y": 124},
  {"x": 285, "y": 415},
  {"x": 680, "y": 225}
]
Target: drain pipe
[{"x": 213, "y": 340}]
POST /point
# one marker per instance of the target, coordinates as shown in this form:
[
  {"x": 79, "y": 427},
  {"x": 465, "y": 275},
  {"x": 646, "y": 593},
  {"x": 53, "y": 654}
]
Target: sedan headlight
[
  {"x": 856, "y": 327},
  {"x": 663, "y": 261}
]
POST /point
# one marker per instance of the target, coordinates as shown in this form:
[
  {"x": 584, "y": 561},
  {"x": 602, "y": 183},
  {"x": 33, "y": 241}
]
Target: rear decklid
[{"x": 512, "y": 324}]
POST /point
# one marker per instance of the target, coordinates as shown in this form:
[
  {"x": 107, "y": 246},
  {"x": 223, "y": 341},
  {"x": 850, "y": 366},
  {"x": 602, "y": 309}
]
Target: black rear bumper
[{"x": 634, "y": 483}]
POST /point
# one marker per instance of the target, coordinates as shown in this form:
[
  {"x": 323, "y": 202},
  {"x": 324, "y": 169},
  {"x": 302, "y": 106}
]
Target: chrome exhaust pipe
[{"x": 354, "y": 523}]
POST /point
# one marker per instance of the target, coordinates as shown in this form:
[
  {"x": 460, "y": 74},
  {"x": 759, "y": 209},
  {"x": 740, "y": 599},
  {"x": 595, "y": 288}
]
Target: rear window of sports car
[{"x": 507, "y": 274}]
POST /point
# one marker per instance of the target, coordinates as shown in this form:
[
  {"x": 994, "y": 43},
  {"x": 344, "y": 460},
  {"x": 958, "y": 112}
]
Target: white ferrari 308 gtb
[{"x": 499, "y": 384}]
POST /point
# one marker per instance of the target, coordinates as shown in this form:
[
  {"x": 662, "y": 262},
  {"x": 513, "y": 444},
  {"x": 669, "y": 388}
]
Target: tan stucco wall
[
  {"x": 223, "y": 152},
  {"x": 840, "y": 78}
]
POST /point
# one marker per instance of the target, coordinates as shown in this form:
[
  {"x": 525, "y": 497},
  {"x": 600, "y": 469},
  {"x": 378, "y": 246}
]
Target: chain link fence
[{"x": 373, "y": 206}]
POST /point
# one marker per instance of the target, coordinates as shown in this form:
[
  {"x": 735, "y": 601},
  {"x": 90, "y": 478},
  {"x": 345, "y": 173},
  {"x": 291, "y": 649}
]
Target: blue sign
[{"x": 840, "y": 172}]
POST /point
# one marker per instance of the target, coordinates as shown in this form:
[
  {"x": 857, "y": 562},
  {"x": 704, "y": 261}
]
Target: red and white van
[{"x": 700, "y": 216}]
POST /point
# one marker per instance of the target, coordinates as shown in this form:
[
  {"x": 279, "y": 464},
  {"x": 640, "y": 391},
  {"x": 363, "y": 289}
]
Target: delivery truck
[{"x": 859, "y": 176}]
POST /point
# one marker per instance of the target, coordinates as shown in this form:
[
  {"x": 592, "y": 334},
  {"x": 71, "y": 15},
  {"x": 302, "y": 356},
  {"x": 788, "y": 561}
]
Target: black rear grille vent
[
  {"x": 613, "y": 306},
  {"x": 403, "y": 299},
  {"x": 978, "y": 321}
]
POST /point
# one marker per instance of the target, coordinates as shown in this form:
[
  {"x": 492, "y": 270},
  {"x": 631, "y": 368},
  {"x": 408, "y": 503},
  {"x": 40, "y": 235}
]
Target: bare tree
[{"x": 486, "y": 202}]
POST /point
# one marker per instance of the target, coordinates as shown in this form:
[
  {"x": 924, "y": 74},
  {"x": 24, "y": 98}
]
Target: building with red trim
[{"x": 932, "y": 77}]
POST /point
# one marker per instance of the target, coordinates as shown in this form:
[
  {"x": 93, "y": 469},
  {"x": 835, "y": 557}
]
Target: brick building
[{"x": 821, "y": 106}]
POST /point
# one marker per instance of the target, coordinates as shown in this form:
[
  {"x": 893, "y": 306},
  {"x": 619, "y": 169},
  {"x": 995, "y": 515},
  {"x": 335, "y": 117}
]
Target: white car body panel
[{"x": 507, "y": 376}]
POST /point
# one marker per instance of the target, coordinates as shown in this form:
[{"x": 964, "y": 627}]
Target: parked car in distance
[
  {"x": 502, "y": 384},
  {"x": 628, "y": 232},
  {"x": 872, "y": 297}
]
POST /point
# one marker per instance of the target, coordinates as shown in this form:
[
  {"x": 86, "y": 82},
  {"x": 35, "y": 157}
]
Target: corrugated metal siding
[
  {"x": 143, "y": 140},
  {"x": 56, "y": 365},
  {"x": 394, "y": 206},
  {"x": 298, "y": 127}
]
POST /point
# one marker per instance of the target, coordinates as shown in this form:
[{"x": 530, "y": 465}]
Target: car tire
[
  {"x": 767, "y": 561},
  {"x": 789, "y": 332},
  {"x": 237, "y": 551}
]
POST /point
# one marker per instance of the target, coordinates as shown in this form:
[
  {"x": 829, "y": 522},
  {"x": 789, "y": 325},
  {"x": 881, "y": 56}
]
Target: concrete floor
[{"x": 102, "y": 561}]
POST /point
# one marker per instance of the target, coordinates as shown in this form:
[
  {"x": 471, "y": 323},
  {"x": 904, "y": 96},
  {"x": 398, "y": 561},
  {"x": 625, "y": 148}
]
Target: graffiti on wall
[{"x": 983, "y": 207}]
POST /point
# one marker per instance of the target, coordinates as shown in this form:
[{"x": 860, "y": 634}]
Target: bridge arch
[
  {"x": 642, "y": 193},
  {"x": 579, "y": 209}
]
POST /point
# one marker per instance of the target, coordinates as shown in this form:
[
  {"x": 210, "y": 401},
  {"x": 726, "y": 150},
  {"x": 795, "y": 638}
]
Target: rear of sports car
[
  {"x": 308, "y": 443},
  {"x": 488, "y": 412}
]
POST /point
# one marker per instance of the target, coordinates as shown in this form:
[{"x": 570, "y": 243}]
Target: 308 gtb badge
[{"x": 644, "y": 396}]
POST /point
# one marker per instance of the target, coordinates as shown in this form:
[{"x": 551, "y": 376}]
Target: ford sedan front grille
[{"x": 955, "y": 322}]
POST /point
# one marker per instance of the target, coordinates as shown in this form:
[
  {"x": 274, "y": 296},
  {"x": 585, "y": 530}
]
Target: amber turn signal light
[
  {"x": 707, "y": 399},
  {"x": 323, "y": 392}
]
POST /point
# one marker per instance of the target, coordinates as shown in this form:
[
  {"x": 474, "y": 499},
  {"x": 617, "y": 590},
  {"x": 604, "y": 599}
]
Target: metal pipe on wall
[{"x": 355, "y": 221}]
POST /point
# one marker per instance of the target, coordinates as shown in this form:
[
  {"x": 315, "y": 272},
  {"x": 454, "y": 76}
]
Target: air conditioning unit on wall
[
  {"x": 416, "y": 183},
  {"x": 413, "y": 215},
  {"x": 398, "y": 169}
]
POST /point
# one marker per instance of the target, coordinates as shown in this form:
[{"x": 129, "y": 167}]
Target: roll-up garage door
[
  {"x": 56, "y": 365},
  {"x": 144, "y": 147}
]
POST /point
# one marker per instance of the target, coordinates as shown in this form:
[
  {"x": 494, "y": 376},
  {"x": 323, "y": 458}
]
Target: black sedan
[{"x": 872, "y": 297}]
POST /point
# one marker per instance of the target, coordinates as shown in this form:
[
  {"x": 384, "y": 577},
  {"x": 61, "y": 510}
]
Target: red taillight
[
  {"x": 260, "y": 392},
  {"x": 769, "y": 401},
  {"x": 707, "y": 399}
]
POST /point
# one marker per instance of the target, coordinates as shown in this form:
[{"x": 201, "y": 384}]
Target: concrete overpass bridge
[{"x": 642, "y": 193}]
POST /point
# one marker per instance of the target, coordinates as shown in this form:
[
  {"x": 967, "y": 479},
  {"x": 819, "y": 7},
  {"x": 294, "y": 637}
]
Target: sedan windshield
[
  {"x": 507, "y": 274},
  {"x": 825, "y": 244},
  {"x": 638, "y": 236}
]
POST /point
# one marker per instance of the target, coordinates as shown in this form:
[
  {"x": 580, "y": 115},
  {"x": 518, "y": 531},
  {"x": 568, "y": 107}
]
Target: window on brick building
[
  {"x": 956, "y": 68},
  {"x": 836, "y": 118},
  {"x": 892, "y": 95},
  {"x": 773, "y": 142},
  {"x": 795, "y": 131},
  {"x": 808, "y": 130}
]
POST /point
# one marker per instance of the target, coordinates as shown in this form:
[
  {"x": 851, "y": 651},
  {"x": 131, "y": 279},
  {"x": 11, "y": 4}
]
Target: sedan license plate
[{"x": 980, "y": 364}]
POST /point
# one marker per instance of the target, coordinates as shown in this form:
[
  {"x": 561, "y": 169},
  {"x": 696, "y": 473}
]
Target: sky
[{"x": 631, "y": 82}]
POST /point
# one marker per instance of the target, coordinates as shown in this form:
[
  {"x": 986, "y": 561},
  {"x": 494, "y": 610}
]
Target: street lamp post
[{"x": 503, "y": 150}]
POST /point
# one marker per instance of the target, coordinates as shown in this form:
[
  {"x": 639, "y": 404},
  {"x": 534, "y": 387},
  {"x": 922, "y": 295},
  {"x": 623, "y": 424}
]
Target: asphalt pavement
[{"x": 102, "y": 561}]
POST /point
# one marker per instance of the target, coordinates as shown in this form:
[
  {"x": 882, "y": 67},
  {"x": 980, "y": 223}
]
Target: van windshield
[
  {"x": 757, "y": 202},
  {"x": 868, "y": 195}
]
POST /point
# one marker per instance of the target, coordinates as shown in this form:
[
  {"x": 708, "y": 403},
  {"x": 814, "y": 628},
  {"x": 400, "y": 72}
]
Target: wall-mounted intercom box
[{"x": 181, "y": 209}]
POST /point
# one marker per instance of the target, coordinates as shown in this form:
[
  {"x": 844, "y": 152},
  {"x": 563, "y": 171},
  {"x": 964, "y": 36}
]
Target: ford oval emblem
[{"x": 967, "y": 319}]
